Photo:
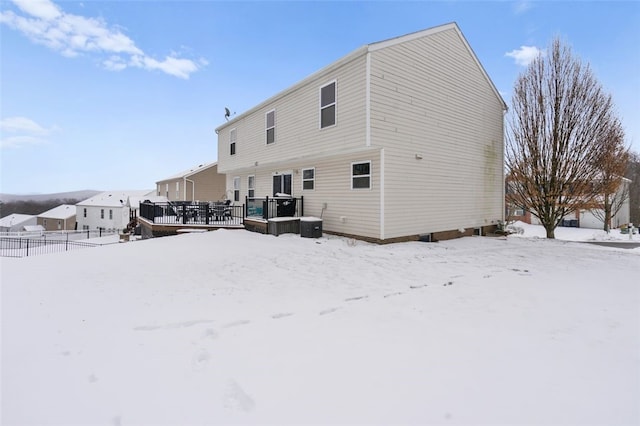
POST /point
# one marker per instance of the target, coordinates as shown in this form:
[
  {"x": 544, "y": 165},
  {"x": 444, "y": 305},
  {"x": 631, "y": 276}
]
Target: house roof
[
  {"x": 190, "y": 172},
  {"x": 114, "y": 198},
  {"x": 134, "y": 201},
  {"x": 33, "y": 228},
  {"x": 64, "y": 211},
  {"x": 372, "y": 48},
  {"x": 15, "y": 219}
]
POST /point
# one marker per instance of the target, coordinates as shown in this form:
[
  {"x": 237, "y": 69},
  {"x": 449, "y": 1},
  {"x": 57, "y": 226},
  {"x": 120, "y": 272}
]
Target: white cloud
[
  {"x": 525, "y": 55},
  {"x": 522, "y": 6},
  {"x": 20, "y": 141},
  {"x": 45, "y": 23},
  {"x": 23, "y": 131}
]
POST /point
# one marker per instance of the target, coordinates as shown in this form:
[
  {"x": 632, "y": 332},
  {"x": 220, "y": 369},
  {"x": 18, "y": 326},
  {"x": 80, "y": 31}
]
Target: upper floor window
[
  {"x": 84, "y": 212},
  {"x": 361, "y": 175},
  {"x": 328, "y": 105},
  {"x": 101, "y": 213},
  {"x": 110, "y": 214},
  {"x": 271, "y": 126},
  {"x": 232, "y": 142},
  {"x": 251, "y": 186},
  {"x": 177, "y": 190},
  {"x": 308, "y": 178}
]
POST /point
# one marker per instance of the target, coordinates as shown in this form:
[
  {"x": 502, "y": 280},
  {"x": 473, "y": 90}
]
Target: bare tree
[
  {"x": 611, "y": 185},
  {"x": 559, "y": 119}
]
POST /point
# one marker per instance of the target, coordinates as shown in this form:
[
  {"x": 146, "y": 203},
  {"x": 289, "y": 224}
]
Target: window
[
  {"x": 101, "y": 213},
  {"x": 282, "y": 184},
  {"x": 84, "y": 212},
  {"x": 308, "y": 178},
  {"x": 85, "y": 227},
  {"x": 271, "y": 126},
  {"x": 236, "y": 189},
  {"x": 328, "y": 105},
  {"x": 166, "y": 189},
  {"x": 110, "y": 214},
  {"x": 232, "y": 142},
  {"x": 251, "y": 190},
  {"x": 44, "y": 223},
  {"x": 178, "y": 190},
  {"x": 361, "y": 175}
]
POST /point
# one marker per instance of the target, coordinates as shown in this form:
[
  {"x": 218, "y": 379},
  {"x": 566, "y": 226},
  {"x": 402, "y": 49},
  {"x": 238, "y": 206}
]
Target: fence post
[
  {"x": 206, "y": 213},
  {"x": 184, "y": 214},
  {"x": 66, "y": 245},
  {"x": 27, "y": 247},
  {"x": 87, "y": 233}
]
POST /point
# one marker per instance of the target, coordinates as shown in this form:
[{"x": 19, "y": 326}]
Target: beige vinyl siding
[
  {"x": 360, "y": 208},
  {"x": 297, "y": 120},
  {"x": 209, "y": 186},
  {"x": 429, "y": 97}
]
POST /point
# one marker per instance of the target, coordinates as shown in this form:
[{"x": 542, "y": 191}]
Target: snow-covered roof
[
  {"x": 114, "y": 198},
  {"x": 33, "y": 228},
  {"x": 134, "y": 202},
  {"x": 189, "y": 172},
  {"x": 15, "y": 219},
  {"x": 64, "y": 211}
]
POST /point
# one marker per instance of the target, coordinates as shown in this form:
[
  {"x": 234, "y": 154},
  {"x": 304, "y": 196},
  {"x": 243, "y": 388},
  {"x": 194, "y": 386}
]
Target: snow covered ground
[{"x": 233, "y": 327}]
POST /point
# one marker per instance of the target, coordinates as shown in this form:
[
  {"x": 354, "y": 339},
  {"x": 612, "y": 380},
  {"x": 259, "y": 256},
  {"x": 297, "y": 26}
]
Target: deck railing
[
  {"x": 216, "y": 213},
  {"x": 270, "y": 207}
]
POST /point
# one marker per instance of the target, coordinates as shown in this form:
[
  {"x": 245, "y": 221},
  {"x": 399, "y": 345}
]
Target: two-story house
[
  {"x": 202, "y": 183},
  {"x": 401, "y": 139},
  {"x": 61, "y": 218},
  {"x": 109, "y": 210}
]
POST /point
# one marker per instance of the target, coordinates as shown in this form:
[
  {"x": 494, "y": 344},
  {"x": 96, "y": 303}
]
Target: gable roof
[
  {"x": 190, "y": 172},
  {"x": 113, "y": 198},
  {"x": 372, "y": 48},
  {"x": 64, "y": 211},
  {"x": 434, "y": 30},
  {"x": 15, "y": 219}
]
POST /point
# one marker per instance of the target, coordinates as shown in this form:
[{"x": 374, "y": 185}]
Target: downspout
[
  {"x": 382, "y": 194},
  {"x": 367, "y": 101},
  {"x": 193, "y": 189}
]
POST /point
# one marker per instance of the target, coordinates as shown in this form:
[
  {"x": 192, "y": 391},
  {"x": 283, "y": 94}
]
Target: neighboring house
[
  {"x": 16, "y": 222},
  {"x": 107, "y": 210},
  {"x": 401, "y": 139},
  {"x": 593, "y": 219},
  {"x": 201, "y": 183},
  {"x": 61, "y": 218},
  {"x": 583, "y": 218}
]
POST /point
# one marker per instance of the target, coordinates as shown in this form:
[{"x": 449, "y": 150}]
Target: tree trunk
[{"x": 550, "y": 230}]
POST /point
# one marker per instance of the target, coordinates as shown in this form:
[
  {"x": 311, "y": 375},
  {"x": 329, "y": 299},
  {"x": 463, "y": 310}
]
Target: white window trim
[
  {"x": 249, "y": 188},
  {"x": 266, "y": 127},
  {"x": 286, "y": 172},
  {"x": 370, "y": 175},
  {"x": 236, "y": 187},
  {"x": 303, "y": 180},
  {"x": 335, "y": 102},
  {"x": 234, "y": 141}
]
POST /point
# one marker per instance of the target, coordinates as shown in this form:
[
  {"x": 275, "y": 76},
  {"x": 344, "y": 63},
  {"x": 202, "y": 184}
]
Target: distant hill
[
  {"x": 76, "y": 195},
  {"x": 38, "y": 203}
]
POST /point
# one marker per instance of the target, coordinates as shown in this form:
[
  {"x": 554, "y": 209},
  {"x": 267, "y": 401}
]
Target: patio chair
[{"x": 221, "y": 211}]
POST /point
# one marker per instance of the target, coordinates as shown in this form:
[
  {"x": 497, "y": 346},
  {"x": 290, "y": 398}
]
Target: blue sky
[{"x": 119, "y": 94}]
